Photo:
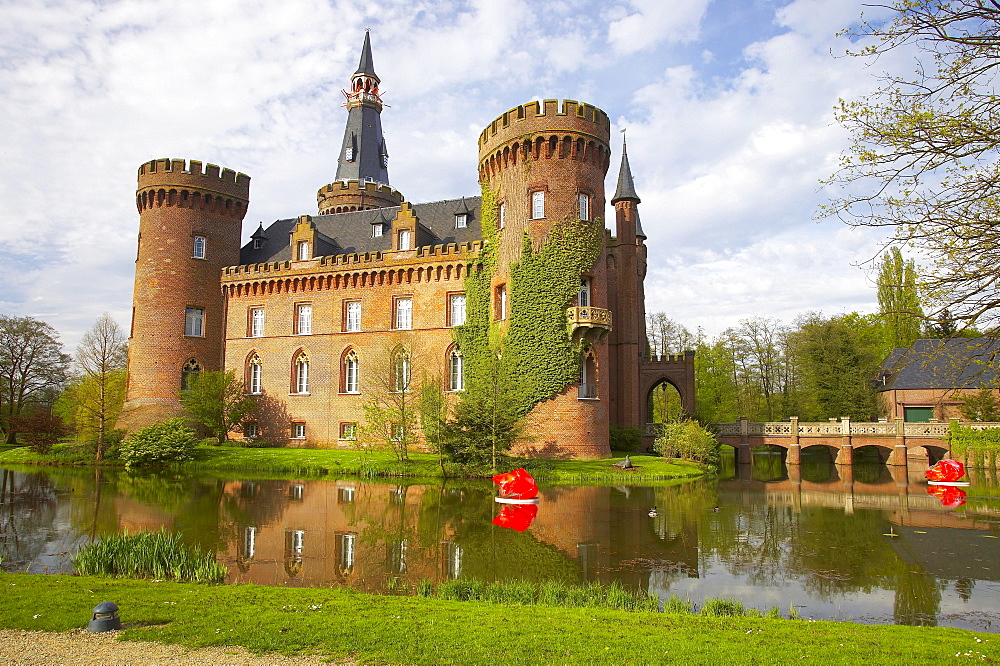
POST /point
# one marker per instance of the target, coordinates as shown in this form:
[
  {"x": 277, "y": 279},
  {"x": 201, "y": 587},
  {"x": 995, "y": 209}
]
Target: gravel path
[{"x": 80, "y": 648}]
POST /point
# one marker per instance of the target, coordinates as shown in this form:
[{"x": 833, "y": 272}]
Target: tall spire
[
  {"x": 626, "y": 188},
  {"x": 363, "y": 154}
]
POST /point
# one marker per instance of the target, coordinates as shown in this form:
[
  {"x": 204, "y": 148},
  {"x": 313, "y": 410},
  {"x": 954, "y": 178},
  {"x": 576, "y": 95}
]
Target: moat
[{"x": 865, "y": 544}]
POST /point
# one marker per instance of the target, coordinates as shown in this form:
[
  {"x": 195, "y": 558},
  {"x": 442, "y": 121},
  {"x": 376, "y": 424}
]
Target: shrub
[
  {"x": 165, "y": 442},
  {"x": 624, "y": 438},
  {"x": 689, "y": 440},
  {"x": 39, "y": 428}
]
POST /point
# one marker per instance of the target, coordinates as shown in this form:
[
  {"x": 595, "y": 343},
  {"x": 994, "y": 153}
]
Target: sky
[{"x": 728, "y": 106}]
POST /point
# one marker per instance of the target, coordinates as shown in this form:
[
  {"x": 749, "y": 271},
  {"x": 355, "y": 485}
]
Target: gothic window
[
  {"x": 583, "y": 298},
  {"x": 302, "y": 373},
  {"x": 188, "y": 373},
  {"x": 254, "y": 373},
  {"x": 456, "y": 371},
  {"x": 199, "y": 247},
  {"x": 194, "y": 322},
  {"x": 401, "y": 371},
  {"x": 351, "y": 372}
]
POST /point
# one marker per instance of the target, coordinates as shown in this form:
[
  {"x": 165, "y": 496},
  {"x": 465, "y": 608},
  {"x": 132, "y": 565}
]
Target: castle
[{"x": 305, "y": 311}]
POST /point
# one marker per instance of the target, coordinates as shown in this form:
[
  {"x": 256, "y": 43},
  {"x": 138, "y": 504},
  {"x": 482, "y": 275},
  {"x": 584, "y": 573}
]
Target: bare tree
[
  {"x": 32, "y": 367},
  {"x": 101, "y": 357}
]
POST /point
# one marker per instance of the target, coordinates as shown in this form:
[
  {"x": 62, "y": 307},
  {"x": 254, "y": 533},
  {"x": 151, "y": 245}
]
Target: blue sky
[{"x": 728, "y": 106}]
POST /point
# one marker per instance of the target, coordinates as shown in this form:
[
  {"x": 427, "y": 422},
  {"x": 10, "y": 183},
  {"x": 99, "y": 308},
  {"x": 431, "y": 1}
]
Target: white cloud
[{"x": 649, "y": 22}]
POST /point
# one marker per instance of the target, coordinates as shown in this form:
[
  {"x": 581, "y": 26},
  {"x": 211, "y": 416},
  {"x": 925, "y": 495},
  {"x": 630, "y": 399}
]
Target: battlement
[
  {"x": 181, "y": 174},
  {"x": 548, "y": 116},
  {"x": 342, "y": 186},
  {"x": 344, "y": 196},
  {"x": 448, "y": 251}
]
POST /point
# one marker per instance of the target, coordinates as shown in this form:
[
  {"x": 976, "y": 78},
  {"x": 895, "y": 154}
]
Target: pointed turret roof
[
  {"x": 626, "y": 188},
  {"x": 367, "y": 65}
]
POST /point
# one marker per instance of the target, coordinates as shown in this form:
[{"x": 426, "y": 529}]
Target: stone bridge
[{"x": 898, "y": 443}]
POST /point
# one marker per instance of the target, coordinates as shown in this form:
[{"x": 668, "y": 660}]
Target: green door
[{"x": 918, "y": 414}]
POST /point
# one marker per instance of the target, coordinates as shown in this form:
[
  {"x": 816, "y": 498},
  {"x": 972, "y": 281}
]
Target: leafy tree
[
  {"x": 666, "y": 336},
  {"x": 981, "y": 406},
  {"x": 716, "y": 391},
  {"x": 217, "y": 400},
  {"x": 32, "y": 367},
  {"x": 391, "y": 413},
  {"x": 101, "y": 357},
  {"x": 923, "y": 160},
  {"x": 433, "y": 410},
  {"x": 687, "y": 439},
  {"x": 898, "y": 300}
]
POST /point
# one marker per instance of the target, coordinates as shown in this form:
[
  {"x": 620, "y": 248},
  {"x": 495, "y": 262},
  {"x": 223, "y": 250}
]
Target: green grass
[
  {"x": 318, "y": 463},
  {"x": 155, "y": 555},
  {"x": 548, "y": 593},
  {"x": 412, "y": 630}
]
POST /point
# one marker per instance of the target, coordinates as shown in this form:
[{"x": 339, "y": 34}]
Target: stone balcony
[{"x": 592, "y": 324}]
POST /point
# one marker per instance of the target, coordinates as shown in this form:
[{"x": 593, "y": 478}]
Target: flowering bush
[{"x": 164, "y": 442}]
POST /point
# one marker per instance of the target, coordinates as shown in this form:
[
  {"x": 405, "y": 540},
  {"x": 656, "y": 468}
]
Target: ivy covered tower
[
  {"x": 190, "y": 216},
  {"x": 545, "y": 164},
  {"x": 363, "y": 162}
]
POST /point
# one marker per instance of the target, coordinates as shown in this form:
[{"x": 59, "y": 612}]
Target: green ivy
[{"x": 541, "y": 287}]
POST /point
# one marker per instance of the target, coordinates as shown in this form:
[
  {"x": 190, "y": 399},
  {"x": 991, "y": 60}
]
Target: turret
[
  {"x": 190, "y": 218},
  {"x": 545, "y": 163},
  {"x": 363, "y": 163}
]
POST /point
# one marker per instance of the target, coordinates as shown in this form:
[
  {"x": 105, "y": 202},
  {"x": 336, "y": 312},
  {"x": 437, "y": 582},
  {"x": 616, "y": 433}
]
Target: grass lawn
[
  {"x": 314, "y": 463},
  {"x": 414, "y": 630}
]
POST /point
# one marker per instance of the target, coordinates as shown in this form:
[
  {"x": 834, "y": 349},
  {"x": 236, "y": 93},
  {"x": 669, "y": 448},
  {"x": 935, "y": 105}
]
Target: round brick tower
[
  {"x": 546, "y": 164},
  {"x": 190, "y": 220}
]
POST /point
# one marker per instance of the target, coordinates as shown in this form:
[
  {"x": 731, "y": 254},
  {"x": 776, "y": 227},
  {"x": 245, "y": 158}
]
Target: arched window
[
  {"x": 302, "y": 373},
  {"x": 351, "y": 372},
  {"x": 188, "y": 374},
  {"x": 401, "y": 370},
  {"x": 583, "y": 298},
  {"x": 456, "y": 370},
  {"x": 254, "y": 372}
]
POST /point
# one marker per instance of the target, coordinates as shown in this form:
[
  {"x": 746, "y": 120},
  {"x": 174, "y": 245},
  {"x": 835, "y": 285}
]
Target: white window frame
[
  {"x": 584, "y": 200},
  {"x": 257, "y": 243},
  {"x": 401, "y": 372},
  {"x": 456, "y": 371},
  {"x": 250, "y": 430},
  {"x": 255, "y": 374},
  {"x": 405, "y": 240},
  {"x": 461, "y": 221},
  {"x": 501, "y": 301},
  {"x": 537, "y": 205},
  {"x": 298, "y": 431},
  {"x": 349, "y": 154},
  {"x": 583, "y": 296},
  {"x": 302, "y": 375},
  {"x": 351, "y": 372},
  {"x": 303, "y": 319},
  {"x": 377, "y": 230},
  {"x": 403, "y": 314},
  {"x": 502, "y": 216},
  {"x": 200, "y": 247},
  {"x": 352, "y": 316},
  {"x": 194, "y": 322},
  {"x": 456, "y": 309},
  {"x": 256, "y": 322},
  {"x": 302, "y": 251},
  {"x": 349, "y": 431}
]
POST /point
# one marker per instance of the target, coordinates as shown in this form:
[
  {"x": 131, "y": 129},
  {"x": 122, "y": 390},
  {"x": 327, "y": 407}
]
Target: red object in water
[
  {"x": 946, "y": 470},
  {"x": 949, "y": 496},
  {"x": 516, "y": 485},
  {"x": 516, "y": 516}
]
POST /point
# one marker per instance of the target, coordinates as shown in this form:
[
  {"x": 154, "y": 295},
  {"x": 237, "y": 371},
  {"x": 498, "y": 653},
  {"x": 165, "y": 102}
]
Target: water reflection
[{"x": 865, "y": 543}]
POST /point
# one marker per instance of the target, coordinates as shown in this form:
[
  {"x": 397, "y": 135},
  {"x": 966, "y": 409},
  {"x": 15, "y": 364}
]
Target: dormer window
[
  {"x": 302, "y": 250},
  {"x": 385, "y": 161},
  {"x": 258, "y": 243},
  {"x": 461, "y": 221},
  {"x": 349, "y": 154},
  {"x": 377, "y": 230},
  {"x": 405, "y": 240}
]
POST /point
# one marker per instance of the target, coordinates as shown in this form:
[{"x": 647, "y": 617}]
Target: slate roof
[
  {"x": 626, "y": 187},
  {"x": 350, "y": 233},
  {"x": 968, "y": 363}
]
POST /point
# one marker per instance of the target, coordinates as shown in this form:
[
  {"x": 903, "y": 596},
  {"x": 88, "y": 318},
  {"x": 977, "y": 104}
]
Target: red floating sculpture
[
  {"x": 949, "y": 496},
  {"x": 946, "y": 470},
  {"x": 516, "y": 485},
  {"x": 516, "y": 516}
]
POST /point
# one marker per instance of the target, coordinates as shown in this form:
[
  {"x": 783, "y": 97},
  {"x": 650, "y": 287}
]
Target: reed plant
[
  {"x": 549, "y": 593},
  {"x": 152, "y": 555}
]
